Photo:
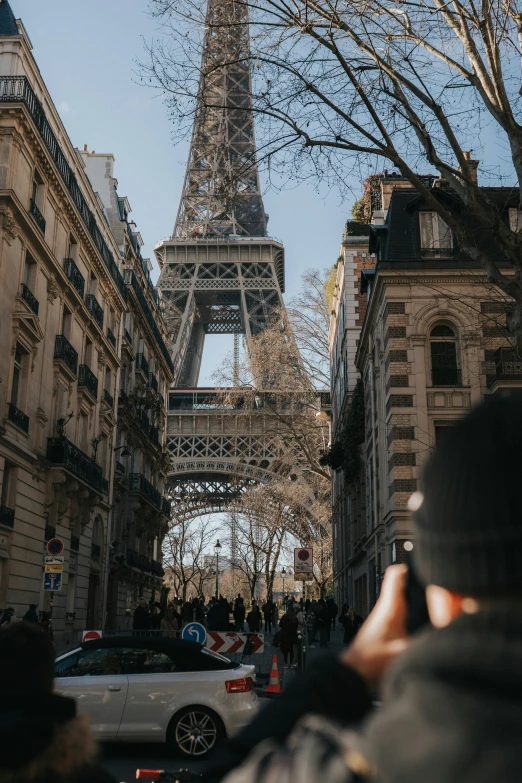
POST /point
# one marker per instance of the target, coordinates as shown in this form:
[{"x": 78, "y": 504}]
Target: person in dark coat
[
  {"x": 288, "y": 626},
  {"x": 6, "y": 616},
  {"x": 268, "y": 612},
  {"x": 254, "y": 619},
  {"x": 334, "y": 611},
  {"x": 42, "y": 740},
  {"x": 155, "y": 618},
  {"x": 213, "y": 617},
  {"x": 141, "y": 621},
  {"x": 223, "y": 615},
  {"x": 31, "y": 615},
  {"x": 450, "y": 693},
  {"x": 351, "y": 622},
  {"x": 239, "y": 615}
]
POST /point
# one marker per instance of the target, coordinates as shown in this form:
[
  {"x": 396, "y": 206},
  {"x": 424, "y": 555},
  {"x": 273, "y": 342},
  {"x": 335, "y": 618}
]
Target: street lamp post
[
  {"x": 283, "y": 574},
  {"x": 217, "y": 547}
]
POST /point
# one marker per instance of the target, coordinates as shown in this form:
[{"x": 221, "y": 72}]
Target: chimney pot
[{"x": 85, "y": 147}]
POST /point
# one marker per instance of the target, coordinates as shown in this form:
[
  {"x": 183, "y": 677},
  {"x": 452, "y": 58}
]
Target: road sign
[
  {"x": 54, "y": 568},
  {"x": 55, "y": 546},
  {"x": 303, "y": 561},
  {"x": 194, "y": 632},
  {"x": 52, "y": 582},
  {"x": 222, "y": 642},
  {"x": 54, "y": 559},
  {"x": 89, "y": 636}
]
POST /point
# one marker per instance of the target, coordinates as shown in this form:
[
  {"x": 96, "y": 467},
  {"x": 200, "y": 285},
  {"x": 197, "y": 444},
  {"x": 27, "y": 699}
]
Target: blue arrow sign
[
  {"x": 194, "y": 632},
  {"x": 52, "y": 582}
]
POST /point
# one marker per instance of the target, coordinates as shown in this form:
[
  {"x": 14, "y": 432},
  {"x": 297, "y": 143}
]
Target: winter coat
[
  {"x": 31, "y": 617},
  {"x": 451, "y": 712},
  {"x": 141, "y": 619},
  {"x": 187, "y": 613},
  {"x": 169, "y": 622},
  {"x": 43, "y": 741},
  {"x": 288, "y": 626},
  {"x": 239, "y": 613},
  {"x": 254, "y": 620}
]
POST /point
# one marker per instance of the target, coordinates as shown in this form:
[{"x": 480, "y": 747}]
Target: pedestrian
[
  {"x": 334, "y": 611},
  {"x": 288, "y": 626},
  {"x": 311, "y": 624},
  {"x": 155, "y": 618},
  {"x": 213, "y": 617},
  {"x": 268, "y": 613},
  {"x": 323, "y": 623},
  {"x": 239, "y": 615},
  {"x": 351, "y": 622},
  {"x": 275, "y": 616},
  {"x": 451, "y": 698},
  {"x": 169, "y": 623},
  {"x": 31, "y": 615},
  {"x": 223, "y": 615},
  {"x": 141, "y": 616},
  {"x": 6, "y": 616},
  {"x": 187, "y": 613},
  {"x": 254, "y": 619},
  {"x": 42, "y": 740}
]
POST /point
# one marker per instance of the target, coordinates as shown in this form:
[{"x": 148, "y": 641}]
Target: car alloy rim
[{"x": 196, "y": 733}]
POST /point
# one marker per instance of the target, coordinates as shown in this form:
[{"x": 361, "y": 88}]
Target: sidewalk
[{"x": 335, "y": 647}]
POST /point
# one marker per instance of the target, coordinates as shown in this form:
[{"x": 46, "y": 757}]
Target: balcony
[
  {"x": 64, "y": 352},
  {"x": 88, "y": 380},
  {"x": 50, "y": 532},
  {"x": 120, "y": 468},
  {"x": 141, "y": 562},
  {"x": 95, "y": 551},
  {"x": 123, "y": 398},
  {"x": 154, "y": 436},
  {"x": 7, "y": 516},
  {"x": 108, "y": 398},
  {"x": 138, "y": 483},
  {"x": 166, "y": 507},
  {"x": 74, "y": 275},
  {"x": 75, "y": 543},
  {"x": 30, "y": 299},
  {"x": 142, "y": 365},
  {"x": 37, "y": 215},
  {"x": 18, "y": 417},
  {"x": 61, "y": 451},
  {"x": 95, "y": 309},
  {"x": 508, "y": 365},
  {"x": 153, "y": 382},
  {"x": 127, "y": 336},
  {"x": 105, "y": 485},
  {"x": 437, "y": 252},
  {"x": 111, "y": 338},
  {"x": 157, "y": 568},
  {"x": 446, "y": 376},
  {"x": 132, "y": 282}
]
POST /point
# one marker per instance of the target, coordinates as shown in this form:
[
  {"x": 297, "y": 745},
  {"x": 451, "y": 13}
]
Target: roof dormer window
[{"x": 435, "y": 235}]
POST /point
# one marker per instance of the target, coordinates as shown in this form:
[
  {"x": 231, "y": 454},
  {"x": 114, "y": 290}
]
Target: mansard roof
[{"x": 8, "y": 24}]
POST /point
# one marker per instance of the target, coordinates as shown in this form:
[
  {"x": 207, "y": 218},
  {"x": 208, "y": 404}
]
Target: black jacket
[
  {"x": 43, "y": 741},
  {"x": 141, "y": 619},
  {"x": 451, "y": 713}
]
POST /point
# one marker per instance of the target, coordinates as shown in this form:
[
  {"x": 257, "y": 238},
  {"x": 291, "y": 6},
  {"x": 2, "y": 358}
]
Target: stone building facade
[
  {"x": 75, "y": 309},
  {"x": 433, "y": 343}
]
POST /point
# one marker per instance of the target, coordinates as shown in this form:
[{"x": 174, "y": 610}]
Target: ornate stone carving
[
  {"x": 9, "y": 225},
  {"x": 52, "y": 289}
]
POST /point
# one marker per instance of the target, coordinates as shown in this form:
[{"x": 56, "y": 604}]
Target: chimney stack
[{"x": 473, "y": 165}]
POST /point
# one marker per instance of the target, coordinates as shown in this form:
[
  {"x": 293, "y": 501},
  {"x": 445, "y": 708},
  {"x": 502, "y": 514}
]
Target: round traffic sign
[
  {"x": 55, "y": 546},
  {"x": 194, "y": 632},
  {"x": 89, "y": 636},
  {"x": 303, "y": 555}
]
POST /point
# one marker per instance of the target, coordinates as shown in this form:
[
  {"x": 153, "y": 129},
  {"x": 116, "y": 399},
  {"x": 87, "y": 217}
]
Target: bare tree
[
  {"x": 184, "y": 555},
  {"x": 339, "y": 84}
]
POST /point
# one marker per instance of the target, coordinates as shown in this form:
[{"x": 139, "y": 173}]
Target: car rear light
[
  {"x": 149, "y": 774},
  {"x": 244, "y": 685}
]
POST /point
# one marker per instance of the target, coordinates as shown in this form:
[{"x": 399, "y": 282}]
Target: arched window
[{"x": 444, "y": 361}]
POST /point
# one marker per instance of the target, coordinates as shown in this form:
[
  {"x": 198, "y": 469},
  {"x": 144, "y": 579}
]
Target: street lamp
[
  {"x": 283, "y": 574},
  {"x": 124, "y": 451},
  {"x": 217, "y": 547}
]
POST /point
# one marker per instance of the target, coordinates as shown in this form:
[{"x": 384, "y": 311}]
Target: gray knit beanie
[{"x": 469, "y": 524}]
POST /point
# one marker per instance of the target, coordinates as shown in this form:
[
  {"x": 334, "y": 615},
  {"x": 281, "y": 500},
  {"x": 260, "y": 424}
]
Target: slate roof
[{"x": 8, "y": 24}]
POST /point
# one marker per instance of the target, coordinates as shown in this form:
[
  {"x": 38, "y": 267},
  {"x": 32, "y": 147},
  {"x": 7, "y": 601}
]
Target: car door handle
[{"x": 114, "y": 687}]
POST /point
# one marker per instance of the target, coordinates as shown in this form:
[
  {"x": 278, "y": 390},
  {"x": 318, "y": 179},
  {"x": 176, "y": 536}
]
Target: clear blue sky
[{"x": 87, "y": 55}]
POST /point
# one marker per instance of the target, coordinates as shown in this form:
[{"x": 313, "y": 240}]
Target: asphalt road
[{"x": 123, "y": 758}]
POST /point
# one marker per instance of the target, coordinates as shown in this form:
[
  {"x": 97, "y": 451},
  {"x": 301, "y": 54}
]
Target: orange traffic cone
[{"x": 274, "y": 686}]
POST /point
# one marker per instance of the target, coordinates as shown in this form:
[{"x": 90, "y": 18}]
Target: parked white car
[{"x": 143, "y": 689}]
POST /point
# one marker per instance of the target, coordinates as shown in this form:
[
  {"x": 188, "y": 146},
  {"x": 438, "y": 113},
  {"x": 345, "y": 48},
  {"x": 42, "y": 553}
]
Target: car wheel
[{"x": 195, "y": 731}]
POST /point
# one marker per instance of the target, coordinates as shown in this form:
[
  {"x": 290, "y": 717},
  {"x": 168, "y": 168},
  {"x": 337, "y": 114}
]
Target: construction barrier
[{"x": 225, "y": 642}]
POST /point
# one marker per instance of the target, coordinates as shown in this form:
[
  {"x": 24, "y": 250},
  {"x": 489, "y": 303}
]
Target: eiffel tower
[{"x": 220, "y": 274}]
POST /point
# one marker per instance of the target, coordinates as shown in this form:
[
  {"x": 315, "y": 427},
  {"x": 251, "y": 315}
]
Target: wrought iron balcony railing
[
  {"x": 123, "y": 398},
  {"x": 108, "y": 398},
  {"x": 37, "y": 215},
  {"x": 95, "y": 309},
  {"x": 50, "y": 532},
  {"x": 138, "y": 483},
  {"x": 142, "y": 364},
  {"x": 88, "y": 380},
  {"x": 74, "y": 275},
  {"x": 64, "y": 352},
  {"x": 166, "y": 507},
  {"x": 30, "y": 299},
  {"x": 153, "y": 382},
  {"x": 6, "y": 516},
  {"x": 18, "y": 417},
  {"x": 105, "y": 485},
  {"x": 437, "y": 252},
  {"x": 508, "y": 365},
  {"x": 136, "y": 560},
  {"x": 95, "y": 551},
  {"x": 132, "y": 558},
  {"x": 111, "y": 337},
  {"x": 127, "y": 336},
  {"x": 157, "y": 568},
  {"x": 16, "y": 89},
  {"x": 446, "y": 376},
  {"x": 75, "y": 543},
  {"x": 61, "y": 451},
  {"x": 120, "y": 467},
  {"x": 133, "y": 283},
  {"x": 154, "y": 435}
]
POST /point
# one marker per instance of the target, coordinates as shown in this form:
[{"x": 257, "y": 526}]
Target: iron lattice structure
[
  {"x": 220, "y": 274},
  {"x": 221, "y": 193}
]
